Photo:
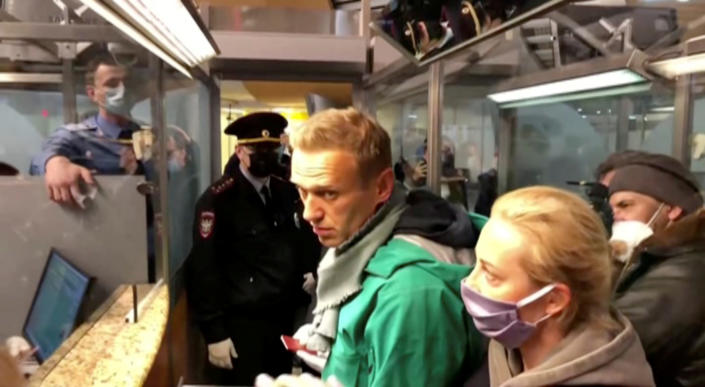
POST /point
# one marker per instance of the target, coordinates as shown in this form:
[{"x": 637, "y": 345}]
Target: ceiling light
[
  {"x": 613, "y": 91},
  {"x": 664, "y": 109},
  {"x": 169, "y": 23},
  {"x": 671, "y": 68},
  {"x": 589, "y": 82},
  {"x": 165, "y": 27}
]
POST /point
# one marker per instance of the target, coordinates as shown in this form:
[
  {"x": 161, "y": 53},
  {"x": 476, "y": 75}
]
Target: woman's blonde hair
[
  {"x": 349, "y": 130},
  {"x": 567, "y": 243}
]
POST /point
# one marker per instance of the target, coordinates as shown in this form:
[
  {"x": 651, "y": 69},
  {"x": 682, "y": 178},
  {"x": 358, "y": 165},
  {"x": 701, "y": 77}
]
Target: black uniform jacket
[
  {"x": 664, "y": 297},
  {"x": 248, "y": 259}
]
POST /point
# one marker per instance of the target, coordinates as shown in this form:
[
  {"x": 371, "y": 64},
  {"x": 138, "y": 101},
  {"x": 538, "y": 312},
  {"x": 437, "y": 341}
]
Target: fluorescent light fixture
[
  {"x": 664, "y": 109},
  {"x": 170, "y": 24},
  {"x": 589, "y": 82},
  {"x": 671, "y": 68},
  {"x": 164, "y": 27},
  {"x": 623, "y": 90},
  {"x": 111, "y": 17}
]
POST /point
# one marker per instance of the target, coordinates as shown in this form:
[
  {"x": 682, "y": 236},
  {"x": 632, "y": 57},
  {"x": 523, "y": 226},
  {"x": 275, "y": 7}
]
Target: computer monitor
[{"x": 56, "y": 305}]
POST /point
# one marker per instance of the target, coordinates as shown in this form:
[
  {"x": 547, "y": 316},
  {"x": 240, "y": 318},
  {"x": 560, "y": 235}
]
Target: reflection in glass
[{"x": 423, "y": 29}]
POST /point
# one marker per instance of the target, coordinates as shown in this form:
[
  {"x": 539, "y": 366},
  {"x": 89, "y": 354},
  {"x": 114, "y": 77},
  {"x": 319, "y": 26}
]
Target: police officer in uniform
[
  {"x": 101, "y": 143},
  {"x": 251, "y": 252}
]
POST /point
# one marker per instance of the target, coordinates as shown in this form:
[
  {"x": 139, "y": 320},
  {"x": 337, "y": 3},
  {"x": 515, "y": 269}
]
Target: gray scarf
[{"x": 340, "y": 270}]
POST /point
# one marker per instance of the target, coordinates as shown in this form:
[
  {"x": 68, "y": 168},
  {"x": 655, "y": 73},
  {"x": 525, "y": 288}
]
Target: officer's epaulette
[
  {"x": 222, "y": 185},
  {"x": 79, "y": 126}
]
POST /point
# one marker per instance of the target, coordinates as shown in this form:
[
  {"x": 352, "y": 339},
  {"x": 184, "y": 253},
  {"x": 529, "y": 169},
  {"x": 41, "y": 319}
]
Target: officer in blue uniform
[
  {"x": 252, "y": 252},
  {"x": 100, "y": 144}
]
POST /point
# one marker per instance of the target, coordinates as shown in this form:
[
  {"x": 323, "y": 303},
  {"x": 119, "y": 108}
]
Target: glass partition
[
  {"x": 468, "y": 146},
  {"x": 557, "y": 142},
  {"x": 406, "y": 120},
  {"x": 188, "y": 131},
  {"x": 79, "y": 166},
  {"x": 697, "y": 139}
]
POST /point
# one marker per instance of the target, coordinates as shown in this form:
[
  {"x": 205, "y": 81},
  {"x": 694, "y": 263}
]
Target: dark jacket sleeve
[
  {"x": 666, "y": 308},
  {"x": 204, "y": 283}
]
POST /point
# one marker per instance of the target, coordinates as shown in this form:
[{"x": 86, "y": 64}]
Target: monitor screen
[{"x": 56, "y": 305}]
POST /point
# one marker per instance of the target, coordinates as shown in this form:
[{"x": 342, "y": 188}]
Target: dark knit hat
[
  {"x": 617, "y": 160},
  {"x": 661, "y": 177}
]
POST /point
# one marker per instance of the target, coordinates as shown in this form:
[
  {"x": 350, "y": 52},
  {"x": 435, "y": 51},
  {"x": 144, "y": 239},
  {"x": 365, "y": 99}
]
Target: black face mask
[{"x": 263, "y": 163}]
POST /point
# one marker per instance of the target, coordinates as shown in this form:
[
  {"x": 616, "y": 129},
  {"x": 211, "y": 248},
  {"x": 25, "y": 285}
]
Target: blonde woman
[{"x": 541, "y": 289}]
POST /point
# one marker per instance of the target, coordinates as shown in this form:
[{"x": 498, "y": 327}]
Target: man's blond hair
[
  {"x": 349, "y": 130},
  {"x": 567, "y": 243}
]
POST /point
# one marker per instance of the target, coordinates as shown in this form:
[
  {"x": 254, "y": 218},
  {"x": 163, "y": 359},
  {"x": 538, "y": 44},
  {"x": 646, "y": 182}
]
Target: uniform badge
[{"x": 206, "y": 224}]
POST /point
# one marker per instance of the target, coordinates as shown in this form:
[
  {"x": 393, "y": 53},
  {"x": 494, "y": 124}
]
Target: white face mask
[
  {"x": 628, "y": 234},
  {"x": 117, "y": 101}
]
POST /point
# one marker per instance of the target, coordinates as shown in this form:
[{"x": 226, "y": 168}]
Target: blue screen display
[{"x": 56, "y": 306}]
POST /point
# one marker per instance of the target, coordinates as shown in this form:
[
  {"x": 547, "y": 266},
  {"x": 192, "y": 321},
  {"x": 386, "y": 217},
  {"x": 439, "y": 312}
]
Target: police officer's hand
[
  {"x": 309, "y": 285},
  {"x": 419, "y": 173},
  {"x": 62, "y": 176},
  {"x": 220, "y": 354},
  {"x": 128, "y": 161}
]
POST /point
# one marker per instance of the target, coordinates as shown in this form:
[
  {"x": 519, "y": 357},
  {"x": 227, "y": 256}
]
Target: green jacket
[{"x": 408, "y": 325}]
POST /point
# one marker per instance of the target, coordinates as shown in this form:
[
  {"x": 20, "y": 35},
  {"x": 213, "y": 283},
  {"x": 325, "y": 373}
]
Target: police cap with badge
[
  {"x": 257, "y": 128},
  {"x": 261, "y": 131}
]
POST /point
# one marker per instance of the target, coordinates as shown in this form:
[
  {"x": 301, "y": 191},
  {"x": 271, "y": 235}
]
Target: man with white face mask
[
  {"x": 99, "y": 144},
  {"x": 659, "y": 240}
]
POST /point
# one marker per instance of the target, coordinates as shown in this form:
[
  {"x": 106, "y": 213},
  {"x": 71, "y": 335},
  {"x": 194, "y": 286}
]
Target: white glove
[
  {"x": 316, "y": 362},
  {"x": 303, "y": 333},
  {"x": 17, "y": 346},
  {"x": 309, "y": 285},
  {"x": 220, "y": 353},
  {"x": 305, "y": 380}
]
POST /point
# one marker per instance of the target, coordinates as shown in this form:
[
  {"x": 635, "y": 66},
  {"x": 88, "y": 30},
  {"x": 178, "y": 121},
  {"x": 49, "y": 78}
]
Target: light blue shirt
[{"x": 90, "y": 143}]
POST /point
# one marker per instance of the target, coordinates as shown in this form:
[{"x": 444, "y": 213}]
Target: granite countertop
[{"x": 109, "y": 351}]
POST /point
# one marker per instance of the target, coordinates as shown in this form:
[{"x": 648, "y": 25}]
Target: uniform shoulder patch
[
  {"x": 222, "y": 185},
  {"x": 206, "y": 224}
]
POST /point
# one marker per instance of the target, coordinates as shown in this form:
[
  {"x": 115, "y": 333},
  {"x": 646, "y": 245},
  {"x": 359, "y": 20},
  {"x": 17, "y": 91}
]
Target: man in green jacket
[{"x": 389, "y": 311}]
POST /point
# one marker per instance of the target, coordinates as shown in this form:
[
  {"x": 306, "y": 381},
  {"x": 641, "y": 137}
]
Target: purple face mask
[{"x": 500, "y": 320}]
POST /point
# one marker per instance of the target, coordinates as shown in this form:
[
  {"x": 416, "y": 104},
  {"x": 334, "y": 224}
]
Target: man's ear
[
  {"x": 90, "y": 91},
  {"x": 238, "y": 152},
  {"x": 385, "y": 185},
  {"x": 675, "y": 213}
]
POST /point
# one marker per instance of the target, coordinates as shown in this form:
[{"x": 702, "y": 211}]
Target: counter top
[{"x": 108, "y": 351}]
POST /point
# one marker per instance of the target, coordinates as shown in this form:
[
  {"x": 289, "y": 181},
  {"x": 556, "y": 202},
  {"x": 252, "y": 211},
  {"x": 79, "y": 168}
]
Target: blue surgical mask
[{"x": 500, "y": 320}]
